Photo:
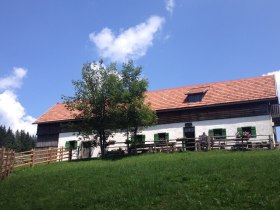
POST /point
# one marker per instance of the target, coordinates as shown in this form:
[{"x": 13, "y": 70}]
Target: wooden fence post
[
  {"x": 13, "y": 162},
  {"x": 49, "y": 155},
  {"x": 58, "y": 154},
  {"x": 32, "y": 158},
  {"x": 128, "y": 149},
  {"x": 6, "y": 163},
  {"x": 61, "y": 153},
  {"x": 70, "y": 153},
  {"x": 183, "y": 145},
  {"x": 199, "y": 144},
  {"x": 9, "y": 154},
  {"x": 10, "y": 160},
  {"x": 208, "y": 143},
  {"x": 270, "y": 142},
  {"x": 2, "y": 151}
]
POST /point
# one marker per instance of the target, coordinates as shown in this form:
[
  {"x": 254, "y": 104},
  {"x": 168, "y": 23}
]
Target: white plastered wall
[
  {"x": 74, "y": 136},
  {"x": 263, "y": 124}
]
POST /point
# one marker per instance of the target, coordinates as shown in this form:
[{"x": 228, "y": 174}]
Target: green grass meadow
[{"x": 189, "y": 180}]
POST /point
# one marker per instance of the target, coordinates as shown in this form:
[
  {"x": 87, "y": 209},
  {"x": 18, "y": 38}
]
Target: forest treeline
[{"x": 17, "y": 141}]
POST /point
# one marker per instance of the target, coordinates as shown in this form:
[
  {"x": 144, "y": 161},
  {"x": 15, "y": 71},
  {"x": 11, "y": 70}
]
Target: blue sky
[{"x": 43, "y": 45}]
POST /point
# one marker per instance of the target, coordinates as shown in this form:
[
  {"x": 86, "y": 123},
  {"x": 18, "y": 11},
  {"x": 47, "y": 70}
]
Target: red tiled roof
[
  {"x": 202, "y": 89},
  {"x": 235, "y": 91},
  {"x": 57, "y": 113}
]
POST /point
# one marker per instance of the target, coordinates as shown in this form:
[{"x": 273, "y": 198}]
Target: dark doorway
[{"x": 189, "y": 133}]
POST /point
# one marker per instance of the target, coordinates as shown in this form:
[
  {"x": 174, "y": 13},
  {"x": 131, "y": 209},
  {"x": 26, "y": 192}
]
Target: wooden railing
[
  {"x": 228, "y": 142},
  {"x": 195, "y": 144},
  {"x": 10, "y": 160},
  {"x": 38, "y": 156},
  {"x": 149, "y": 146}
]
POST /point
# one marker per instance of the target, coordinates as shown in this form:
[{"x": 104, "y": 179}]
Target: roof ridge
[{"x": 209, "y": 84}]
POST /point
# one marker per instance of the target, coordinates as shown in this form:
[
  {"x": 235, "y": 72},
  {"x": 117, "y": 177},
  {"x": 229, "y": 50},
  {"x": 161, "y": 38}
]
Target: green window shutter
[
  {"x": 67, "y": 145},
  {"x": 156, "y": 138},
  {"x": 224, "y": 133},
  {"x": 167, "y": 137},
  {"x": 254, "y": 132},
  {"x": 143, "y": 139},
  {"x": 132, "y": 139},
  {"x": 75, "y": 144},
  {"x": 239, "y": 130},
  {"x": 211, "y": 132}
]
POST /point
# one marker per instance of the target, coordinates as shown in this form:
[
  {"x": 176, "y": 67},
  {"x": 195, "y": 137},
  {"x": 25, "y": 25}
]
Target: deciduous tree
[
  {"x": 135, "y": 112},
  {"x": 107, "y": 100}
]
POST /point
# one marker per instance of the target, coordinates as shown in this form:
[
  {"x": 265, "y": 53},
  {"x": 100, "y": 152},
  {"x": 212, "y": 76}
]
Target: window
[
  {"x": 196, "y": 94},
  {"x": 71, "y": 144},
  {"x": 161, "y": 137},
  {"x": 197, "y": 97},
  {"x": 250, "y": 130},
  {"x": 138, "y": 139},
  {"x": 218, "y": 133},
  {"x": 189, "y": 129},
  {"x": 87, "y": 144}
]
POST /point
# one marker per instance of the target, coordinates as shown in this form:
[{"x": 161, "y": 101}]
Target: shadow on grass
[
  {"x": 110, "y": 157},
  {"x": 124, "y": 156}
]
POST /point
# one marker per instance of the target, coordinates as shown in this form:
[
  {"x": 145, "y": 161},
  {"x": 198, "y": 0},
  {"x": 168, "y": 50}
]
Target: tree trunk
[
  {"x": 127, "y": 140},
  {"x": 102, "y": 143}
]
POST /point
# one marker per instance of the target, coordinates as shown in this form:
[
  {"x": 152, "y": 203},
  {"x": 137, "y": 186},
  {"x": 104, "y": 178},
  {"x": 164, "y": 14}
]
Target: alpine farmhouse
[{"x": 218, "y": 109}]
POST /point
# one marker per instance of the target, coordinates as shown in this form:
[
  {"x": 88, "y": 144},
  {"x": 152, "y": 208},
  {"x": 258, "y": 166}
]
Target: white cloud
[
  {"x": 132, "y": 43},
  {"x": 169, "y": 6},
  {"x": 12, "y": 113},
  {"x": 14, "y": 80}
]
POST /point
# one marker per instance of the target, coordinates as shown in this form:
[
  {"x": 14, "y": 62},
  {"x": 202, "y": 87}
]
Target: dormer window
[
  {"x": 196, "y": 94},
  {"x": 195, "y": 97}
]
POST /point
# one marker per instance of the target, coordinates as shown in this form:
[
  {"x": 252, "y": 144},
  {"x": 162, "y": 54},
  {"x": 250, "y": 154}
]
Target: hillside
[{"x": 212, "y": 180}]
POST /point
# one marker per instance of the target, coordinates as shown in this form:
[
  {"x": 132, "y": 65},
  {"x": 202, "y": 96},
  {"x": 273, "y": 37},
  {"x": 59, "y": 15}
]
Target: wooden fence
[
  {"x": 6, "y": 162},
  {"x": 10, "y": 160},
  {"x": 228, "y": 142},
  {"x": 195, "y": 144}
]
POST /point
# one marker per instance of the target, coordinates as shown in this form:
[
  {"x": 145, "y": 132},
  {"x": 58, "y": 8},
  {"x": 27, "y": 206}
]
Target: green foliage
[
  {"x": 108, "y": 100},
  {"x": 18, "y": 141},
  {"x": 135, "y": 113},
  {"x": 96, "y": 99},
  {"x": 201, "y": 180}
]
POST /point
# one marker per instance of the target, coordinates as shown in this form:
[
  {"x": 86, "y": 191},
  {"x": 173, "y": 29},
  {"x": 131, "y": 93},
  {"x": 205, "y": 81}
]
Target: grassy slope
[{"x": 225, "y": 180}]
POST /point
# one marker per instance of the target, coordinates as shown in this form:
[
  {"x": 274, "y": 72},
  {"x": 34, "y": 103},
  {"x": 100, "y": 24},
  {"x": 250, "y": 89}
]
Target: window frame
[
  {"x": 251, "y": 129},
  {"x": 194, "y": 97},
  {"x": 140, "y": 139},
  {"x": 211, "y": 133},
  {"x": 157, "y": 137},
  {"x": 72, "y": 143}
]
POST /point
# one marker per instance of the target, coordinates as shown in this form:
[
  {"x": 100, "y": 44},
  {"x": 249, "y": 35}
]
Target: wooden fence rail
[
  {"x": 228, "y": 142},
  {"x": 10, "y": 160},
  {"x": 195, "y": 144}
]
